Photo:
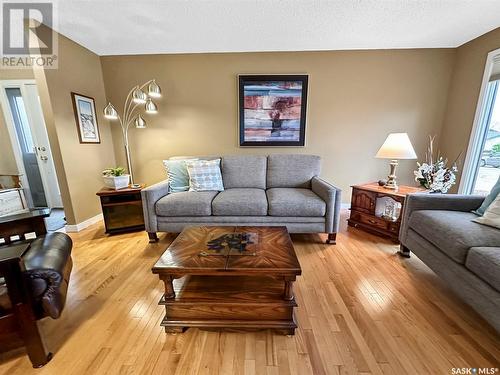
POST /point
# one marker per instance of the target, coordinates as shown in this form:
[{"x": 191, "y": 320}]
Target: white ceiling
[{"x": 113, "y": 27}]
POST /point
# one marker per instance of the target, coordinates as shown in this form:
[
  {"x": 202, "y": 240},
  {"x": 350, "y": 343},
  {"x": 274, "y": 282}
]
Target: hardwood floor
[{"x": 362, "y": 310}]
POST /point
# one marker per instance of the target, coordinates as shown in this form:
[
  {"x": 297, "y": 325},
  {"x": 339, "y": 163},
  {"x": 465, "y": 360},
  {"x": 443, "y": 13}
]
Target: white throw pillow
[
  {"x": 491, "y": 216},
  {"x": 204, "y": 175}
]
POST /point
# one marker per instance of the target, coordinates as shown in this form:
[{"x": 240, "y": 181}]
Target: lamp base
[{"x": 391, "y": 179}]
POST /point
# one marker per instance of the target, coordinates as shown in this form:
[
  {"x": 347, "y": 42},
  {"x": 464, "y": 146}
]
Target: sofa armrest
[
  {"x": 331, "y": 195},
  {"x": 150, "y": 195},
  {"x": 48, "y": 267},
  {"x": 445, "y": 202}
]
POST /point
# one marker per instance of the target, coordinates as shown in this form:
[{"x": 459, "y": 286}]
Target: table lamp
[{"x": 396, "y": 146}]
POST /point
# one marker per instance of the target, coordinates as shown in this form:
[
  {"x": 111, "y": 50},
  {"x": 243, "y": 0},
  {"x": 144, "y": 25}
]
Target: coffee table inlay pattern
[{"x": 235, "y": 292}]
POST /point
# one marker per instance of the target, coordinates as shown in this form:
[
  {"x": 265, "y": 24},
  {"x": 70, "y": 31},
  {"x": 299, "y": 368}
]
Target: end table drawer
[
  {"x": 394, "y": 228},
  {"x": 370, "y": 220}
]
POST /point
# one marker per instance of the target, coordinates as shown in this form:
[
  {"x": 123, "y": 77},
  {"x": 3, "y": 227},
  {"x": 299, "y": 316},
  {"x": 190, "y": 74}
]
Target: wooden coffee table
[{"x": 230, "y": 278}]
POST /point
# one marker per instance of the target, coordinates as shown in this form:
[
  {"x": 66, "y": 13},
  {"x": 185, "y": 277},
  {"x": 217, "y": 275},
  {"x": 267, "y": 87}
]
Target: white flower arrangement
[{"x": 436, "y": 176}]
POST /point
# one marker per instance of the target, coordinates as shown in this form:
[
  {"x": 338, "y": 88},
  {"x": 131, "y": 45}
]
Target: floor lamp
[{"x": 136, "y": 99}]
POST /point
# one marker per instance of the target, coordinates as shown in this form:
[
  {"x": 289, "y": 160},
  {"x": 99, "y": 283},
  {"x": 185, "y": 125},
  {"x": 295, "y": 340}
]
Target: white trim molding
[
  {"x": 84, "y": 224},
  {"x": 475, "y": 146}
]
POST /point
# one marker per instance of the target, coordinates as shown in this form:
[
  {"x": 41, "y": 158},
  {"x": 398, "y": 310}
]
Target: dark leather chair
[{"x": 34, "y": 279}]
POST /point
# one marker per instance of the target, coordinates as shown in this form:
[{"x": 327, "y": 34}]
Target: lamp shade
[
  {"x": 139, "y": 96},
  {"x": 140, "y": 123},
  {"x": 110, "y": 112},
  {"x": 397, "y": 146},
  {"x": 150, "y": 106},
  {"x": 154, "y": 90}
]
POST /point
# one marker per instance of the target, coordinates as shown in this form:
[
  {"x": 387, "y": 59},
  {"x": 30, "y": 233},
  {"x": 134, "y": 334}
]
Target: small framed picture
[
  {"x": 86, "y": 119},
  {"x": 272, "y": 110}
]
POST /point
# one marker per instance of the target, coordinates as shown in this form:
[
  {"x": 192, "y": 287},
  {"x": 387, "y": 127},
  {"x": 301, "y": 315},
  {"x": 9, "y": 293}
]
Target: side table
[
  {"x": 366, "y": 215},
  {"x": 122, "y": 209}
]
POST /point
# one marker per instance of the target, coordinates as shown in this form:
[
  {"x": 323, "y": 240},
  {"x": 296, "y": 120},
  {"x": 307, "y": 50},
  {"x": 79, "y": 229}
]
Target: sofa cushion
[
  {"x": 485, "y": 263},
  {"x": 240, "y": 202},
  {"x": 244, "y": 171},
  {"x": 292, "y": 171},
  {"x": 453, "y": 232},
  {"x": 294, "y": 202},
  {"x": 186, "y": 203}
]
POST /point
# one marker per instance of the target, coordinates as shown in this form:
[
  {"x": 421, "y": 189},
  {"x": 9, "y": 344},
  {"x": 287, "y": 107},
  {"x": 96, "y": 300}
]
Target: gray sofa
[
  {"x": 440, "y": 231},
  {"x": 275, "y": 190}
]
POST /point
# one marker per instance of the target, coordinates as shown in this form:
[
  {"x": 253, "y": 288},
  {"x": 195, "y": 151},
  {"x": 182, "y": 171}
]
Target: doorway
[
  {"x": 30, "y": 144},
  {"x": 482, "y": 165}
]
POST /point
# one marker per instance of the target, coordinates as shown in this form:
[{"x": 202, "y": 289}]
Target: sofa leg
[
  {"x": 404, "y": 251},
  {"x": 153, "y": 237},
  {"x": 332, "y": 238}
]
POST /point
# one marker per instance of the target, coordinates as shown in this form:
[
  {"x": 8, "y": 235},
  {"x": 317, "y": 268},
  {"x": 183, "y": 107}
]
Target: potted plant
[{"x": 115, "y": 178}]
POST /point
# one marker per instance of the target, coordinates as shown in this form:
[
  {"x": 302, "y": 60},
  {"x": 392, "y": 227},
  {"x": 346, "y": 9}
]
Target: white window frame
[{"x": 475, "y": 146}]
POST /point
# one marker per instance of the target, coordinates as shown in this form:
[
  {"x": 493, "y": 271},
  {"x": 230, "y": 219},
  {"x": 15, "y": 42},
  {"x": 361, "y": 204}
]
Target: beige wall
[
  {"x": 355, "y": 99},
  {"x": 464, "y": 93},
  {"x": 7, "y": 160},
  {"x": 78, "y": 165}
]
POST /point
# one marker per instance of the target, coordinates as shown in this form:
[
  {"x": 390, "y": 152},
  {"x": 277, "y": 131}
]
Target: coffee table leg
[
  {"x": 288, "y": 295},
  {"x": 169, "y": 287}
]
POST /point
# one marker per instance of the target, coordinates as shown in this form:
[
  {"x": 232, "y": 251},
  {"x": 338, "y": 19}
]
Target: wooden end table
[
  {"x": 122, "y": 209},
  {"x": 221, "y": 283},
  {"x": 364, "y": 204}
]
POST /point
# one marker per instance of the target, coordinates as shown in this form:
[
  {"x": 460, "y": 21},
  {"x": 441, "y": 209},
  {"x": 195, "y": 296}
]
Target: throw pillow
[
  {"x": 204, "y": 175},
  {"x": 491, "y": 216},
  {"x": 489, "y": 199},
  {"x": 177, "y": 174}
]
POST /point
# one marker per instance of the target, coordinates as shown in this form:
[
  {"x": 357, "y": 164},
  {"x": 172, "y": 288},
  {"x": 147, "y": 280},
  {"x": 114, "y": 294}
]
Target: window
[
  {"x": 482, "y": 165},
  {"x": 488, "y": 167}
]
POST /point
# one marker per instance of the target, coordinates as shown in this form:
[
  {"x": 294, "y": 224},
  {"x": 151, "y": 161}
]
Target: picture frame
[
  {"x": 272, "y": 110},
  {"x": 86, "y": 118}
]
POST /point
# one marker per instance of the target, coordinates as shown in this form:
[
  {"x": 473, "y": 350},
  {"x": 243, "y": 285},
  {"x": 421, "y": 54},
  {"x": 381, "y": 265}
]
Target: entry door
[
  {"x": 33, "y": 146},
  {"x": 42, "y": 145}
]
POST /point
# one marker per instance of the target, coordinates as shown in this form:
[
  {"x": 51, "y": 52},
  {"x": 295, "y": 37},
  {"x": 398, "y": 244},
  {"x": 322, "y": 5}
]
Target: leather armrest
[{"x": 48, "y": 266}]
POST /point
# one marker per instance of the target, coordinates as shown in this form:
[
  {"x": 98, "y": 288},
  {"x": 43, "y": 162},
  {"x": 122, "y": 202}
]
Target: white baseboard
[{"x": 84, "y": 224}]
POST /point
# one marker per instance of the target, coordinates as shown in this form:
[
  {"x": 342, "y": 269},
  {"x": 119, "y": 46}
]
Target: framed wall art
[
  {"x": 86, "y": 119},
  {"x": 272, "y": 110}
]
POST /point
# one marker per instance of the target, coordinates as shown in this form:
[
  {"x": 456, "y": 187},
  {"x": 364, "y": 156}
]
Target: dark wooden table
[
  {"x": 20, "y": 321},
  {"x": 16, "y": 227},
  {"x": 363, "y": 204},
  {"x": 122, "y": 209},
  {"x": 229, "y": 291}
]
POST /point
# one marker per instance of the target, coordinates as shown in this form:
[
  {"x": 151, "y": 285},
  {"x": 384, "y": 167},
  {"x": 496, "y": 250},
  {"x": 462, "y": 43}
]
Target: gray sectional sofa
[
  {"x": 275, "y": 190},
  {"x": 440, "y": 231}
]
